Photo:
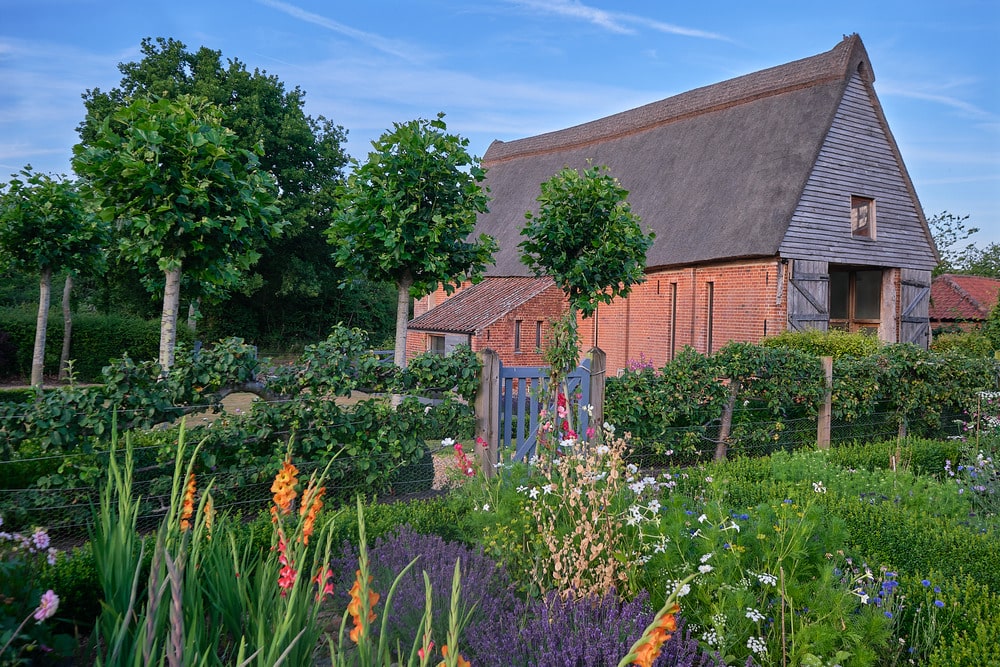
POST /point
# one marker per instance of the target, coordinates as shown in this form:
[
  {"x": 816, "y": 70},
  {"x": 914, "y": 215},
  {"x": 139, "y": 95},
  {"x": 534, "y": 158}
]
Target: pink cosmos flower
[{"x": 47, "y": 606}]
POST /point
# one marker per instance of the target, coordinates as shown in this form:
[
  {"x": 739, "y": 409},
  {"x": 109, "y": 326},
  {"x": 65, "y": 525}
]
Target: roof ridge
[{"x": 806, "y": 72}]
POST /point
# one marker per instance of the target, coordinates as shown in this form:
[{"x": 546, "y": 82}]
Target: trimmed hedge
[{"x": 96, "y": 340}]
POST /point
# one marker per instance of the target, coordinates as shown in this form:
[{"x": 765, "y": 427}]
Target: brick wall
[{"x": 671, "y": 309}]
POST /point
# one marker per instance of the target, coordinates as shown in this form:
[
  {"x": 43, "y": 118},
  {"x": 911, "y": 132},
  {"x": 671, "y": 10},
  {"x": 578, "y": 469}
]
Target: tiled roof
[
  {"x": 962, "y": 298},
  {"x": 475, "y": 308}
]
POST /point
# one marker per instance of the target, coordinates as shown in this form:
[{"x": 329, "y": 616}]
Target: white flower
[
  {"x": 567, "y": 443},
  {"x": 609, "y": 428},
  {"x": 705, "y": 569},
  {"x": 703, "y": 518},
  {"x": 522, "y": 489},
  {"x": 766, "y": 578},
  {"x": 706, "y": 557},
  {"x": 683, "y": 590},
  {"x": 590, "y": 409},
  {"x": 547, "y": 489},
  {"x": 601, "y": 450},
  {"x": 654, "y": 506},
  {"x": 486, "y": 507},
  {"x": 757, "y": 645},
  {"x": 709, "y": 479},
  {"x": 533, "y": 493},
  {"x": 818, "y": 487},
  {"x": 448, "y": 442},
  {"x": 754, "y": 615}
]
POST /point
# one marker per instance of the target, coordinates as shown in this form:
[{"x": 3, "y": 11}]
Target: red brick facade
[{"x": 735, "y": 301}]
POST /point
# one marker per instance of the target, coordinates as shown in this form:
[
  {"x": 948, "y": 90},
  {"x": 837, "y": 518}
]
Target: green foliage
[
  {"x": 432, "y": 516},
  {"x": 833, "y": 343},
  {"x": 291, "y": 294},
  {"x": 44, "y": 225},
  {"x": 97, "y": 340},
  {"x": 406, "y": 213},
  {"x": 950, "y": 231},
  {"x": 991, "y": 328},
  {"x": 969, "y": 343},
  {"x": 586, "y": 238}
]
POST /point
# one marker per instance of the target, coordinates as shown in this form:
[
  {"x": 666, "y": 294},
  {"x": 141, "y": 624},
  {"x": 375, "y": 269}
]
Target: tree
[
  {"x": 406, "y": 215},
  {"x": 586, "y": 238},
  {"x": 949, "y": 232},
  {"x": 44, "y": 228},
  {"x": 182, "y": 194},
  {"x": 295, "y": 277}
]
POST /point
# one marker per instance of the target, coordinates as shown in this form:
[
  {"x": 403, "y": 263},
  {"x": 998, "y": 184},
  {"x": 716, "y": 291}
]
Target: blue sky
[{"x": 512, "y": 68}]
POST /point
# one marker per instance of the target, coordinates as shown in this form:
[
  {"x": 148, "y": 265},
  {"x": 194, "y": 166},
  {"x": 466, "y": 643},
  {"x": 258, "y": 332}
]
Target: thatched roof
[
  {"x": 716, "y": 172},
  {"x": 475, "y": 308}
]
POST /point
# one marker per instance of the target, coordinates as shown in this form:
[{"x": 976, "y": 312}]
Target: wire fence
[{"x": 61, "y": 492}]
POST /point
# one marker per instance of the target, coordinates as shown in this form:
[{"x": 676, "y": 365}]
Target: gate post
[
  {"x": 826, "y": 407},
  {"x": 598, "y": 376},
  {"x": 488, "y": 412}
]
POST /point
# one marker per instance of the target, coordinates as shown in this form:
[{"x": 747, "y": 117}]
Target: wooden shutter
[
  {"x": 809, "y": 296},
  {"x": 915, "y": 295}
]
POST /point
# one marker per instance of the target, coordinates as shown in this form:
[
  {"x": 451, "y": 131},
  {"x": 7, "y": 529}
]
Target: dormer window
[{"x": 863, "y": 217}]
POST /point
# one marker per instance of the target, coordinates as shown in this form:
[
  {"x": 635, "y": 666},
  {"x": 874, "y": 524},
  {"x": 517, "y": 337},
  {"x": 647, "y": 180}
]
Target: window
[
  {"x": 538, "y": 336},
  {"x": 435, "y": 344},
  {"x": 517, "y": 335},
  {"x": 711, "y": 315},
  {"x": 863, "y": 217},
  {"x": 673, "y": 319},
  {"x": 856, "y": 300}
]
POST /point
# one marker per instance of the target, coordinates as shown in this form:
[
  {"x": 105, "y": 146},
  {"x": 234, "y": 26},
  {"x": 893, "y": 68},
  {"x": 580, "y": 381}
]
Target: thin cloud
[
  {"x": 617, "y": 22},
  {"x": 388, "y": 46}
]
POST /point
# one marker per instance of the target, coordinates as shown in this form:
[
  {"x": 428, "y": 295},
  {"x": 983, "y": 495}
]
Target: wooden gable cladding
[{"x": 858, "y": 158}]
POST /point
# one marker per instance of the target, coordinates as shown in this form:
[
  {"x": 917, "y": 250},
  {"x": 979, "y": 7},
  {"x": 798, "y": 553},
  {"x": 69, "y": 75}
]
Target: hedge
[{"x": 96, "y": 340}]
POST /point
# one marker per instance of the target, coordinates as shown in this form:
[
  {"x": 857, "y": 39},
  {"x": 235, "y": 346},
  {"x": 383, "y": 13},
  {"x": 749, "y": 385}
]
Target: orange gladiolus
[
  {"x": 462, "y": 662},
  {"x": 354, "y": 608},
  {"x": 187, "y": 509},
  {"x": 311, "y": 505},
  {"x": 283, "y": 489},
  {"x": 649, "y": 651},
  {"x": 209, "y": 515}
]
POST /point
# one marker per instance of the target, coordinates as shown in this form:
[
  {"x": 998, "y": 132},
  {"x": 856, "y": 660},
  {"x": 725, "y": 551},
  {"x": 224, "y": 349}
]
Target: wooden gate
[
  {"x": 809, "y": 296},
  {"x": 521, "y": 390},
  {"x": 915, "y": 294}
]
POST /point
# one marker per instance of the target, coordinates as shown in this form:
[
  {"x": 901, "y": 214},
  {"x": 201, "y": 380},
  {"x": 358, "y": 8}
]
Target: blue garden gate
[{"x": 520, "y": 390}]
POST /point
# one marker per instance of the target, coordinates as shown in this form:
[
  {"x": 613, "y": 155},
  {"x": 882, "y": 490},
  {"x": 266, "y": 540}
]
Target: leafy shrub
[
  {"x": 969, "y": 343},
  {"x": 486, "y": 588},
  {"x": 832, "y": 343},
  {"x": 414, "y": 477},
  {"x": 8, "y": 355},
  {"x": 74, "y": 576},
  {"x": 97, "y": 339},
  {"x": 437, "y": 516}
]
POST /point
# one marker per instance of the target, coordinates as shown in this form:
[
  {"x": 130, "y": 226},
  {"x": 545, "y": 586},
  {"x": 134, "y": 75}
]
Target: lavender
[
  {"x": 590, "y": 632},
  {"x": 486, "y": 588}
]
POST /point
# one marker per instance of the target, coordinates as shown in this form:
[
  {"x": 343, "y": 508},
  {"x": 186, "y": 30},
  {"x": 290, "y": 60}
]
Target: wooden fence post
[
  {"x": 488, "y": 412},
  {"x": 726, "y": 427},
  {"x": 598, "y": 378},
  {"x": 823, "y": 419}
]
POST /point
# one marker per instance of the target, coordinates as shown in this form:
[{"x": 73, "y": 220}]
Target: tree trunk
[
  {"x": 722, "y": 446},
  {"x": 194, "y": 313},
  {"x": 168, "y": 320},
  {"x": 38, "y": 357},
  {"x": 402, "y": 318},
  {"x": 67, "y": 327}
]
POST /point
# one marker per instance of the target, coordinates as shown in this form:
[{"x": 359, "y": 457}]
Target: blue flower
[
  {"x": 937, "y": 589},
  {"x": 787, "y": 501},
  {"x": 938, "y": 604},
  {"x": 925, "y": 583},
  {"x": 888, "y": 614}
]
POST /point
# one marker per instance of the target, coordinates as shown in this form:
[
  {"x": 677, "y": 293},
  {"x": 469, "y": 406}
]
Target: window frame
[{"x": 863, "y": 217}]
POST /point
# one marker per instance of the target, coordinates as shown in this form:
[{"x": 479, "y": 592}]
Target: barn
[{"x": 779, "y": 200}]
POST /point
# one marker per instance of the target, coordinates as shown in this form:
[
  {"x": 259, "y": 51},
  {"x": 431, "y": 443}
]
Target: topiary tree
[
  {"x": 407, "y": 213},
  {"x": 183, "y": 196},
  {"x": 45, "y": 227},
  {"x": 586, "y": 237}
]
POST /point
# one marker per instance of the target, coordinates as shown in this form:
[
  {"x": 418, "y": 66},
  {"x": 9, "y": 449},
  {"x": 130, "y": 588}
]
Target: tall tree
[
  {"x": 586, "y": 237},
  {"x": 407, "y": 213},
  {"x": 951, "y": 233},
  {"x": 45, "y": 228},
  {"x": 183, "y": 195},
  {"x": 295, "y": 275}
]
